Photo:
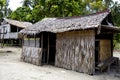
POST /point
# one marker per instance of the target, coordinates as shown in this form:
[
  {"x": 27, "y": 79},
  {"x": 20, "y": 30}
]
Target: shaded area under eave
[
  {"x": 109, "y": 29},
  {"x": 103, "y": 29}
]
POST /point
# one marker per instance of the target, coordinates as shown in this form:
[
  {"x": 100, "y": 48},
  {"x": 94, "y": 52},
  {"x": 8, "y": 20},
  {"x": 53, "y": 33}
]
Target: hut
[
  {"x": 9, "y": 30},
  {"x": 82, "y": 43}
]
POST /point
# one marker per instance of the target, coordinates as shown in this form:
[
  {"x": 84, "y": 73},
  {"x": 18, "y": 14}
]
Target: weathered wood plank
[
  {"x": 105, "y": 49},
  {"x": 75, "y": 50},
  {"x": 31, "y": 55}
]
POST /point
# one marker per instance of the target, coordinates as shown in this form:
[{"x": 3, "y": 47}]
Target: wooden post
[
  {"x": 0, "y": 41},
  {"x": 3, "y": 37},
  {"x": 18, "y": 43},
  {"x": 112, "y": 46},
  {"x": 7, "y": 43},
  {"x": 22, "y": 42},
  {"x": 29, "y": 41},
  {"x": 42, "y": 46},
  {"x": 48, "y": 50},
  {"x": 35, "y": 40},
  {"x": 17, "y": 29},
  {"x": 10, "y": 42}
]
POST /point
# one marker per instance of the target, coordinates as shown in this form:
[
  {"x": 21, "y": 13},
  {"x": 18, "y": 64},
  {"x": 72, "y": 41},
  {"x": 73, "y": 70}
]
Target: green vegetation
[
  {"x": 35, "y": 10},
  {"x": 4, "y": 10},
  {"x": 116, "y": 45}
]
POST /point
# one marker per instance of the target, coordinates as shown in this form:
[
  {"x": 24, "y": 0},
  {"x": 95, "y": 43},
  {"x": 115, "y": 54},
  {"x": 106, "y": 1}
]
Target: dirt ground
[{"x": 11, "y": 68}]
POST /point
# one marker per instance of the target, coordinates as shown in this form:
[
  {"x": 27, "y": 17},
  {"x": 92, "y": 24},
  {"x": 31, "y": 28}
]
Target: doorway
[
  {"x": 97, "y": 48},
  {"x": 105, "y": 49},
  {"x": 49, "y": 48},
  {"x": 102, "y": 50}
]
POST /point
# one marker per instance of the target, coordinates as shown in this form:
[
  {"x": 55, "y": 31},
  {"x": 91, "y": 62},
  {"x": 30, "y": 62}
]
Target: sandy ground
[{"x": 11, "y": 68}]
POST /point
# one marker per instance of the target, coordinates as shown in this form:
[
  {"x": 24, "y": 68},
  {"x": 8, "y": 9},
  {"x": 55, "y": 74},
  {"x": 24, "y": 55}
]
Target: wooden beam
[
  {"x": 35, "y": 39},
  {"x": 99, "y": 30},
  {"x": 42, "y": 47},
  {"x": 22, "y": 41},
  {"x": 48, "y": 50},
  {"x": 3, "y": 37},
  {"x": 17, "y": 29},
  {"x": 112, "y": 46},
  {"x": 28, "y": 41}
]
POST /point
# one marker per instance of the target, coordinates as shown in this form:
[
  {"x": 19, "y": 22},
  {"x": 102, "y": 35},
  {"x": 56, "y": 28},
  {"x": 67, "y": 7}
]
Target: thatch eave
[
  {"x": 19, "y": 24},
  {"x": 112, "y": 29},
  {"x": 34, "y": 32},
  {"x": 59, "y": 25}
]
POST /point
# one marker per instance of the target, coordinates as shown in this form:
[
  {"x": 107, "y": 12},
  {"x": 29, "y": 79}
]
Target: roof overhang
[{"x": 108, "y": 29}]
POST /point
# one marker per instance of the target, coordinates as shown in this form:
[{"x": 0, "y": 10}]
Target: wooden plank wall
[
  {"x": 31, "y": 55},
  {"x": 75, "y": 51},
  {"x": 105, "y": 49}
]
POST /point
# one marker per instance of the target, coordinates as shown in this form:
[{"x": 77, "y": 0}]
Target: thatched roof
[
  {"x": 57, "y": 25},
  {"x": 17, "y": 23}
]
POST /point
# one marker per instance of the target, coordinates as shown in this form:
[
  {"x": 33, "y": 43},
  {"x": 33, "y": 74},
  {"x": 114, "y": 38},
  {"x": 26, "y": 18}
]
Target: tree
[
  {"x": 116, "y": 13},
  {"x": 22, "y": 14},
  {"x": 115, "y": 9},
  {"x": 66, "y": 8},
  {"x": 4, "y": 10},
  {"x": 27, "y": 3},
  {"x": 108, "y": 3},
  {"x": 39, "y": 9},
  {"x": 97, "y": 5},
  {"x": 49, "y": 8}
]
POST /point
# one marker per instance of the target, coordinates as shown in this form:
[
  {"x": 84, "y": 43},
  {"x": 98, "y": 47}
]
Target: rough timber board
[
  {"x": 75, "y": 51},
  {"x": 32, "y": 55},
  {"x": 105, "y": 49}
]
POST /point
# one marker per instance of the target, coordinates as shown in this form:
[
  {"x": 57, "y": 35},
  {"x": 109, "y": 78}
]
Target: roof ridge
[
  {"x": 85, "y": 15},
  {"x": 57, "y": 25}
]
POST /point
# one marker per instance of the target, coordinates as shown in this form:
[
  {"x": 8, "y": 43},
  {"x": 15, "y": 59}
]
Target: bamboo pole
[
  {"x": 29, "y": 41},
  {"x": 35, "y": 40},
  {"x": 3, "y": 37},
  {"x": 42, "y": 46},
  {"x": 48, "y": 50}
]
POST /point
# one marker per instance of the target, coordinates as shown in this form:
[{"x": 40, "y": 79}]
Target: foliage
[
  {"x": 4, "y": 10},
  {"x": 35, "y": 10},
  {"x": 116, "y": 18},
  {"x": 116, "y": 13},
  {"x": 22, "y": 14},
  {"x": 54, "y": 8},
  {"x": 97, "y": 5}
]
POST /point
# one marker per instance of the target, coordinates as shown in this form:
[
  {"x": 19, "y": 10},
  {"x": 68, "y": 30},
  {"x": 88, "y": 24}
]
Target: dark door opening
[
  {"x": 97, "y": 47},
  {"x": 44, "y": 44},
  {"x": 52, "y": 48},
  {"x": 49, "y": 48}
]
